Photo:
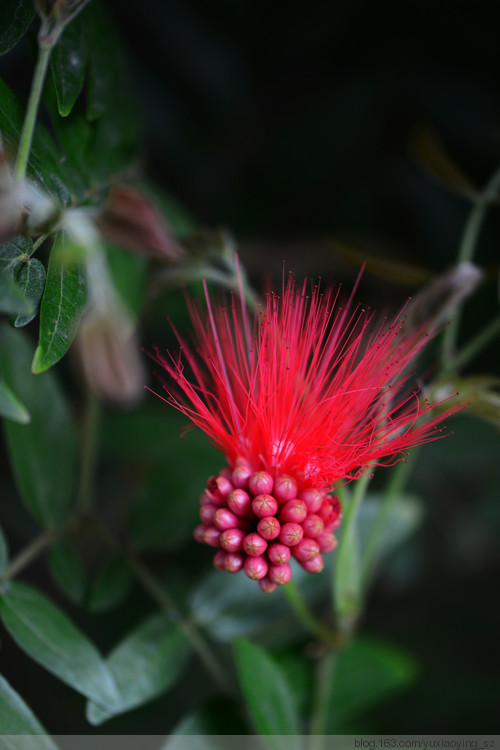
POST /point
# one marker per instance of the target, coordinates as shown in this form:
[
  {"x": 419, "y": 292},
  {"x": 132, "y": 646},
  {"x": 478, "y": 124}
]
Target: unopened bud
[
  {"x": 280, "y": 574},
  {"x": 241, "y": 475},
  {"x": 293, "y": 511},
  {"x": 312, "y": 498},
  {"x": 291, "y": 534},
  {"x": 313, "y": 525},
  {"x": 264, "y": 505},
  {"x": 266, "y": 585},
  {"x": 315, "y": 565},
  {"x": 254, "y": 545},
  {"x": 232, "y": 540},
  {"x": 212, "y": 536},
  {"x": 285, "y": 488},
  {"x": 234, "y": 561},
  {"x": 219, "y": 487},
  {"x": 239, "y": 502},
  {"x": 306, "y": 549},
  {"x": 256, "y": 567},
  {"x": 278, "y": 553},
  {"x": 220, "y": 560},
  {"x": 226, "y": 519},
  {"x": 261, "y": 483},
  {"x": 207, "y": 513},
  {"x": 326, "y": 540},
  {"x": 199, "y": 533},
  {"x": 269, "y": 528}
]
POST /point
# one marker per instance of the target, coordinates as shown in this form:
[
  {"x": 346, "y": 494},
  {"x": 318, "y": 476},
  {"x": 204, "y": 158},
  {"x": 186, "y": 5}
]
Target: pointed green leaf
[
  {"x": 68, "y": 571},
  {"x": 268, "y": 696},
  {"x": 367, "y": 672},
  {"x": 31, "y": 280},
  {"x": 16, "y": 718},
  {"x": 147, "y": 662},
  {"x": 62, "y": 306},
  {"x": 4, "y": 551},
  {"x": 111, "y": 586},
  {"x": 68, "y": 64},
  {"x": 13, "y": 252},
  {"x": 11, "y": 407},
  {"x": 46, "y": 634},
  {"x": 15, "y": 19},
  {"x": 43, "y": 453}
]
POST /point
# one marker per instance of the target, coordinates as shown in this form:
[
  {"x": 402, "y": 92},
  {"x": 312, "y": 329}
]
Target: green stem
[
  {"x": 470, "y": 350},
  {"x": 23, "y": 152},
  {"x": 466, "y": 253},
  {"x": 39, "y": 241},
  {"x": 307, "y": 617},
  {"x": 158, "y": 592},
  {"x": 321, "y": 697},
  {"x": 391, "y": 496}
]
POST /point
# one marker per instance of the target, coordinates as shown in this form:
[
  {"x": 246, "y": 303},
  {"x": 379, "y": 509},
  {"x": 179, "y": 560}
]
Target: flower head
[{"x": 303, "y": 396}]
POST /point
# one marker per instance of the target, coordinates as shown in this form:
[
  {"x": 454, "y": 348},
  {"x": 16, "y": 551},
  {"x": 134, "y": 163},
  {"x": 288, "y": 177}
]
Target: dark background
[{"x": 291, "y": 123}]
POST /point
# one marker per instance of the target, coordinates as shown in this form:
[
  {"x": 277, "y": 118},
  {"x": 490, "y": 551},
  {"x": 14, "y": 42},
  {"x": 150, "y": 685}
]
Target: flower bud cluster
[{"x": 258, "y": 522}]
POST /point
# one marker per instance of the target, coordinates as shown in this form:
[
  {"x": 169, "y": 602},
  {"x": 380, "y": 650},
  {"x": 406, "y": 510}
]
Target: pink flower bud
[
  {"x": 220, "y": 487},
  {"x": 264, "y": 505},
  {"x": 209, "y": 497},
  {"x": 199, "y": 533},
  {"x": 256, "y": 567},
  {"x": 278, "y": 553},
  {"x": 326, "y": 541},
  {"x": 269, "y": 528},
  {"x": 207, "y": 513},
  {"x": 205, "y": 499},
  {"x": 226, "y": 519},
  {"x": 285, "y": 488},
  {"x": 226, "y": 473},
  {"x": 212, "y": 536},
  {"x": 280, "y": 574},
  {"x": 294, "y": 511},
  {"x": 241, "y": 475},
  {"x": 291, "y": 534},
  {"x": 239, "y": 502},
  {"x": 312, "y": 498},
  {"x": 331, "y": 512},
  {"x": 232, "y": 540},
  {"x": 234, "y": 561},
  {"x": 220, "y": 560},
  {"x": 315, "y": 565},
  {"x": 313, "y": 525},
  {"x": 266, "y": 585},
  {"x": 306, "y": 549},
  {"x": 261, "y": 483},
  {"x": 254, "y": 545}
]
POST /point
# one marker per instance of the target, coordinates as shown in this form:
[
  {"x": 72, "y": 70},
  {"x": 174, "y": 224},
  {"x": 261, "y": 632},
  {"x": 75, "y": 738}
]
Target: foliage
[{"x": 101, "y": 483}]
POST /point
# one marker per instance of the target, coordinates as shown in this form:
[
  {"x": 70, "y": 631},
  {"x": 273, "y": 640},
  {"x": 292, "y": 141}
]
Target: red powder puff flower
[{"x": 305, "y": 395}]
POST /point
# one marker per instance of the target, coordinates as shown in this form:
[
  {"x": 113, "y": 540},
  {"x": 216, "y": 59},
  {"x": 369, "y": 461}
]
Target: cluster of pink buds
[{"x": 258, "y": 522}]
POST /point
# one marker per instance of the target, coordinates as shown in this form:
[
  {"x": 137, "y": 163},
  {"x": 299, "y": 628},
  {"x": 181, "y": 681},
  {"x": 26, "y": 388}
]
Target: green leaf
[
  {"x": 15, "y": 19},
  {"x": 68, "y": 61},
  {"x": 366, "y": 673},
  {"x": 4, "y": 552},
  {"x": 16, "y": 718},
  {"x": 12, "y": 298},
  {"x": 31, "y": 281},
  {"x": 268, "y": 696},
  {"x": 11, "y": 407},
  {"x": 13, "y": 252},
  {"x": 347, "y": 571},
  {"x": 43, "y": 453},
  {"x": 51, "y": 172},
  {"x": 145, "y": 664},
  {"x": 62, "y": 306},
  {"x": 111, "y": 586},
  {"x": 68, "y": 571},
  {"x": 49, "y": 637}
]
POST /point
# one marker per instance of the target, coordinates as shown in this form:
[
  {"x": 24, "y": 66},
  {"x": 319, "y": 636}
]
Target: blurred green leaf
[
  {"x": 68, "y": 61},
  {"x": 347, "y": 571},
  {"x": 68, "y": 571},
  {"x": 381, "y": 267},
  {"x": 16, "y": 718},
  {"x": 145, "y": 664},
  {"x": 15, "y": 19},
  {"x": 50, "y": 171},
  {"x": 479, "y": 393},
  {"x": 12, "y": 298},
  {"x": 49, "y": 637},
  {"x": 62, "y": 306},
  {"x": 431, "y": 153},
  {"x": 367, "y": 672},
  {"x": 31, "y": 280},
  {"x": 268, "y": 696},
  {"x": 4, "y": 551},
  {"x": 43, "y": 453},
  {"x": 11, "y": 407},
  {"x": 13, "y": 252},
  {"x": 111, "y": 586},
  {"x": 129, "y": 273}
]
